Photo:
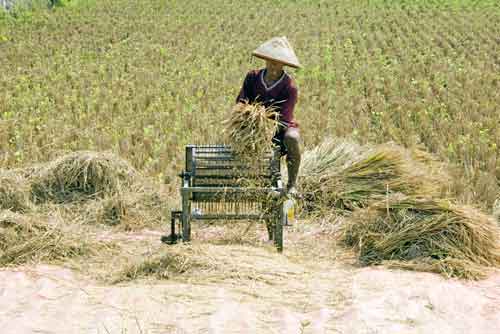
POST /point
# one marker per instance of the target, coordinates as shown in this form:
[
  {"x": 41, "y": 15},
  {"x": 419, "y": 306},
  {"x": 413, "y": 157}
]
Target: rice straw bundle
[
  {"x": 82, "y": 174},
  {"x": 332, "y": 153},
  {"x": 250, "y": 129},
  {"x": 341, "y": 175},
  {"x": 14, "y": 192},
  {"x": 425, "y": 234},
  {"x": 23, "y": 239}
]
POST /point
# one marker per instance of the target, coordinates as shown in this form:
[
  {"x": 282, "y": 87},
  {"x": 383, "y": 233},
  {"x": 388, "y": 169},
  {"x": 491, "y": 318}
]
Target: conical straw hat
[{"x": 278, "y": 49}]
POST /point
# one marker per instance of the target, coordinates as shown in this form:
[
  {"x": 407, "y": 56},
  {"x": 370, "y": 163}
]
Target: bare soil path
[{"x": 308, "y": 289}]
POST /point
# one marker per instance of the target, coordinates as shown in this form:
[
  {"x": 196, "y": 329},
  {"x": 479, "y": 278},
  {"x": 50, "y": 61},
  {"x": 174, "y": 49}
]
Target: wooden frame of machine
[{"x": 217, "y": 184}]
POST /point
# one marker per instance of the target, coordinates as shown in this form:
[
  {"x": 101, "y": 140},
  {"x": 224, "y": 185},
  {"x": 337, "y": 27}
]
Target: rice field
[{"x": 142, "y": 80}]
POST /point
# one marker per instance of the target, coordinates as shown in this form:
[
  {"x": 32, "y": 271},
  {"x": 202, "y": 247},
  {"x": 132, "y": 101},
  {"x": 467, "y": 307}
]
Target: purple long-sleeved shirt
[{"x": 282, "y": 95}]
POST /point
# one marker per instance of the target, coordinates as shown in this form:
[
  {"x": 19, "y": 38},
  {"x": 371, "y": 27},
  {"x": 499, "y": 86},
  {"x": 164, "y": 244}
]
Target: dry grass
[
  {"x": 250, "y": 129},
  {"x": 81, "y": 174},
  {"x": 140, "y": 206},
  {"x": 129, "y": 210},
  {"x": 425, "y": 234},
  {"x": 32, "y": 239},
  {"x": 97, "y": 188},
  {"x": 14, "y": 192},
  {"x": 204, "y": 262},
  {"x": 86, "y": 188},
  {"x": 72, "y": 193},
  {"x": 167, "y": 263}
]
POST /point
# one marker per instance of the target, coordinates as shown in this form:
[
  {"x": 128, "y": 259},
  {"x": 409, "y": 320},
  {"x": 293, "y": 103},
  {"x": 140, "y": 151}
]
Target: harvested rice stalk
[
  {"x": 204, "y": 263},
  {"x": 250, "y": 129},
  {"x": 332, "y": 153},
  {"x": 129, "y": 210},
  {"x": 168, "y": 263},
  {"x": 14, "y": 192},
  {"x": 80, "y": 175},
  {"x": 341, "y": 175},
  {"x": 24, "y": 239},
  {"x": 142, "y": 205},
  {"x": 111, "y": 210},
  {"x": 425, "y": 234},
  {"x": 448, "y": 267}
]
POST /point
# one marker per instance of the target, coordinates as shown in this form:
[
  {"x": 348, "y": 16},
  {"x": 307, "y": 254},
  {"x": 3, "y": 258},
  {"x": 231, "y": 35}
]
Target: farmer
[{"x": 272, "y": 86}]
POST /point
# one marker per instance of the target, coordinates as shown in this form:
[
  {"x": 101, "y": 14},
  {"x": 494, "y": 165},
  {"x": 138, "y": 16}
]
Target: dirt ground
[{"x": 311, "y": 288}]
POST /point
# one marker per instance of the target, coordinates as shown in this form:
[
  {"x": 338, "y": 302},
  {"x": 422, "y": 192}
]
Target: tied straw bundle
[
  {"x": 425, "y": 234},
  {"x": 340, "y": 175},
  {"x": 250, "y": 129}
]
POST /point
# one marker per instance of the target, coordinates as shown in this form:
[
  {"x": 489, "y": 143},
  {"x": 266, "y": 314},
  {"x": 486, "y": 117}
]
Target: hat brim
[{"x": 274, "y": 59}]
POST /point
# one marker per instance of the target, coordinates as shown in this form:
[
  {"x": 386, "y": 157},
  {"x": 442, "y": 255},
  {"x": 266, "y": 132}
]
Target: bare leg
[{"x": 292, "y": 144}]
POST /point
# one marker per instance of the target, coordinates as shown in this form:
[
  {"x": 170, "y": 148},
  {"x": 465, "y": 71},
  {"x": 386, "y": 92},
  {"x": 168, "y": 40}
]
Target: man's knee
[
  {"x": 292, "y": 134},
  {"x": 292, "y": 141}
]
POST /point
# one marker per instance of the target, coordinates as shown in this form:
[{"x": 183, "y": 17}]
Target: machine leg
[
  {"x": 270, "y": 228},
  {"x": 172, "y": 237},
  {"x": 186, "y": 215},
  {"x": 278, "y": 229}
]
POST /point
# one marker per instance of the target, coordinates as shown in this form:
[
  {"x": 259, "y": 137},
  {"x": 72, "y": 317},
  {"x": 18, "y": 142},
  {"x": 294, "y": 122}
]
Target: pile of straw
[
  {"x": 24, "y": 238},
  {"x": 87, "y": 188},
  {"x": 250, "y": 129},
  {"x": 131, "y": 210},
  {"x": 397, "y": 214},
  {"x": 81, "y": 175},
  {"x": 342, "y": 176},
  {"x": 425, "y": 234},
  {"x": 70, "y": 194},
  {"x": 14, "y": 192}
]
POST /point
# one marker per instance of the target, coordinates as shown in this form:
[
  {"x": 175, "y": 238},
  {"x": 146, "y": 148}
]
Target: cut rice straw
[
  {"x": 28, "y": 239},
  {"x": 340, "y": 175},
  {"x": 250, "y": 129},
  {"x": 425, "y": 234},
  {"x": 14, "y": 192},
  {"x": 81, "y": 175}
]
